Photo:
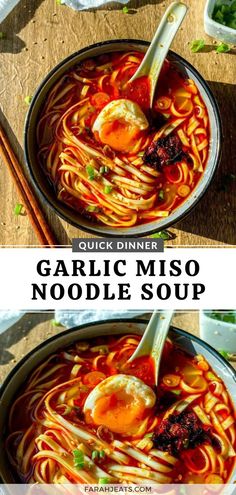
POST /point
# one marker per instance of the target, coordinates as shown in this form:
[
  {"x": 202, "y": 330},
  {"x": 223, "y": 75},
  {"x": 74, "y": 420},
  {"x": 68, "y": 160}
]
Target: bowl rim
[
  {"x": 147, "y": 231},
  {"x": 111, "y": 321}
]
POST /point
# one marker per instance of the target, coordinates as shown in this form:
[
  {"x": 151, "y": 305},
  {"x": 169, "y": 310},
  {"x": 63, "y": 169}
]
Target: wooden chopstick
[{"x": 31, "y": 204}]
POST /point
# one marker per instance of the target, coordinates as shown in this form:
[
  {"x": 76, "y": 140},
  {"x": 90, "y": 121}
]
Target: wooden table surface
[{"x": 40, "y": 33}]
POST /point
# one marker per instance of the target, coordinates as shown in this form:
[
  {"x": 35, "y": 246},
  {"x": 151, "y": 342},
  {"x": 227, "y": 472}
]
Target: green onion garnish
[
  {"x": 56, "y": 323},
  {"x": 225, "y": 316},
  {"x": 148, "y": 435},
  {"x": 225, "y": 14},
  {"x": 107, "y": 189},
  {"x": 161, "y": 194},
  {"x": 103, "y": 481},
  {"x": 125, "y": 10},
  {"x": 164, "y": 234},
  {"x": 197, "y": 45},
  {"x": 95, "y": 454},
  {"x": 78, "y": 459},
  {"x": 90, "y": 171},
  {"x": 233, "y": 7},
  {"x": 211, "y": 376},
  {"x": 28, "y": 100},
  {"x": 102, "y": 454},
  {"x": 18, "y": 209},
  {"x": 102, "y": 349},
  {"x": 104, "y": 169},
  {"x": 223, "y": 353},
  {"x": 91, "y": 208},
  {"x": 223, "y": 48},
  {"x": 176, "y": 392}
]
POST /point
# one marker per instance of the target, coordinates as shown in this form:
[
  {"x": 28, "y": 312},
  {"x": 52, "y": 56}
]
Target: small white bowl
[
  {"x": 215, "y": 29},
  {"x": 219, "y": 334}
]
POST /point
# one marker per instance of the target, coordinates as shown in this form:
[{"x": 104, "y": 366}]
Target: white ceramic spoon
[
  {"x": 156, "y": 54},
  {"x": 153, "y": 339}
]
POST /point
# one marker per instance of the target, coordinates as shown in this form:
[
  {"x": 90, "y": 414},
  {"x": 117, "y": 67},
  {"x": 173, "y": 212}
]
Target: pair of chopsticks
[{"x": 31, "y": 204}]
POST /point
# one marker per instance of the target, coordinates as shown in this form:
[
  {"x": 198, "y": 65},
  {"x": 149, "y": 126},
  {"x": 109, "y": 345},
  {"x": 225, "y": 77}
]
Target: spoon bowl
[
  {"x": 154, "y": 338},
  {"x": 156, "y": 54}
]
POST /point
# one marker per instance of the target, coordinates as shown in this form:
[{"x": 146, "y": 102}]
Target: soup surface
[
  {"x": 86, "y": 415},
  {"x": 107, "y": 155}
]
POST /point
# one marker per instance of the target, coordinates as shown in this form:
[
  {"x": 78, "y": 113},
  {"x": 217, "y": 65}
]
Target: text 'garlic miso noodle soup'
[
  {"x": 75, "y": 411},
  {"x": 103, "y": 159}
]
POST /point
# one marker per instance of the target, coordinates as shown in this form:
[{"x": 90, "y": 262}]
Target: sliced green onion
[
  {"x": 95, "y": 454},
  {"x": 161, "y": 194},
  {"x": 91, "y": 172},
  {"x": 82, "y": 346},
  {"x": 223, "y": 353},
  {"x": 78, "y": 459},
  {"x": 197, "y": 45},
  {"x": 164, "y": 234},
  {"x": 210, "y": 376},
  {"x": 104, "y": 169},
  {"x": 56, "y": 323},
  {"x": 107, "y": 189},
  {"x": 102, "y": 454},
  {"x": 227, "y": 317},
  {"x": 232, "y": 23},
  {"x": 125, "y": 10},
  {"x": 28, "y": 100},
  {"x": 176, "y": 392},
  {"x": 233, "y": 6},
  {"x": 225, "y": 14},
  {"x": 103, "y": 481},
  {"x": 148, "y": 435},
  {"x": 102, "y": 349},
  {"x": 219, "y": 17},
  {"x": 91, "y": 208},
  {"x": 18, "y": 209},
  {"x": 223, "y": 48}
]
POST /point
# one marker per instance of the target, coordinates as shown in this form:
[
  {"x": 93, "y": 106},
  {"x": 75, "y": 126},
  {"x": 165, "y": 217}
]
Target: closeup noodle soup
[
  {"x": 86, "y": 415},
  {"x": 107, "y": 155}
]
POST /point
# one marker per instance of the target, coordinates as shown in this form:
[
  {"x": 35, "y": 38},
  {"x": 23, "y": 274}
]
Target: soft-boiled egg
[
  {"x": 119, "y": 124},
  {"x": 120, "y": 403}
]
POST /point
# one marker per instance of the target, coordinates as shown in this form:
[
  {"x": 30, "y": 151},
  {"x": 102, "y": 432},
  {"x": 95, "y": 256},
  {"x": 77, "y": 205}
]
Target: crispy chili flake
[
  {"x": 180, "y": 432},
  {"x": 164, "y": 151}
]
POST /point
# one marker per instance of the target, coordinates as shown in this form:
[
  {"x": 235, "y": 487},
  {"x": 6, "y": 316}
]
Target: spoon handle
[
  {"x": 160, "y": 338},
  {"x": 156, "y": 54},
  {"x": 154, "y": 336}
]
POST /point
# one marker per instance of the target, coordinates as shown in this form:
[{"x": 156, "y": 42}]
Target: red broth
[
  {"x": 127, "y": 166},
  {"x": 187, "y": 435}
]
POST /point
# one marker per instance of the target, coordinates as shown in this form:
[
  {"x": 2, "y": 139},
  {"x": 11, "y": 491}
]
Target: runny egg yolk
[
  {"x": 120, "y": 124},
  {"x": 120, "y": 403}
]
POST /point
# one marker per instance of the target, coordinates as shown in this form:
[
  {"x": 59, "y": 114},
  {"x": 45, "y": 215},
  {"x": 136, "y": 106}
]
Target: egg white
[
  {"x": 116, "y": 384},
  {"x": 122, "y": 110}
]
